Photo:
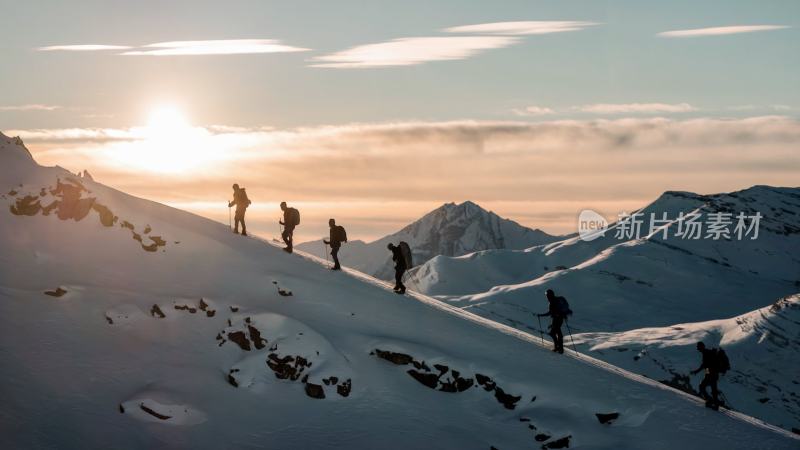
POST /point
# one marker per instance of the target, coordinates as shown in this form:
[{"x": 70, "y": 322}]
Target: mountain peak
[{"x": 13, "y": 145}]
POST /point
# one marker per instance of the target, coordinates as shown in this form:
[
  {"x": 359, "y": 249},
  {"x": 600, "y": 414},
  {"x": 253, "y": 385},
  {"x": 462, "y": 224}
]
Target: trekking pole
[
  {"x": 541, "y": 335},
  {"x": 566, "y": 322},
  {"x": 229, "y": 218},
  {"x": 327, "y": 263}
]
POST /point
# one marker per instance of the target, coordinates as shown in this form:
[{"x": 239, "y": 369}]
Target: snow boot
[
  {"x": 244, "y": 233},
  {"x": 287, "y": 250}
]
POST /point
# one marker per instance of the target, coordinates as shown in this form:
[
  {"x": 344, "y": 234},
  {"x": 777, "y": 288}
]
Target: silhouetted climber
[
  {"x": 715, "y": 362},
  {"x": 337, "y": 236},
  {"x": 558, "y": 310},
  {"x": 400, "y": 267},
  {"x": 291, "y": 219},
  {"x": 242, "y": 202}
]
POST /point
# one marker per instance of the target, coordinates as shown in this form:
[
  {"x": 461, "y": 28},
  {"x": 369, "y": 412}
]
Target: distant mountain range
[
  {"x": 637, "y": 295},
  {"x": 449, "y": 230}
]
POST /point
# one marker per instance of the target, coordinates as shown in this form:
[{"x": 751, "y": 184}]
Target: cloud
[
  {"x": 413, "y": 50},
  {"x": 534, "y": 111},
  {"x": 215, "y": 47},
  {"x": 521, "y": 28},
  {"x": 30, "y": 107},
  {"x": 81, "y": 48},
  {"x": 581, "y": 163},
  {"x": 719, "y": 31},
  {"x": 635, "y": 108}
]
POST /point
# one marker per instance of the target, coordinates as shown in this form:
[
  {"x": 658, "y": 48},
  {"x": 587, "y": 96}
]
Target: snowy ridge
[
  {"x": 618, "y": 285},
  {"x": 579, "y": 339},
  {"x": 213, "y": 340},
  {"x": 764, "y": 345},
  {"x": 451, "y": 230}
]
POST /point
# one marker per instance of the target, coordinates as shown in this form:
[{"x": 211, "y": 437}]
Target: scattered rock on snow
[
  {"x": 155, "y": 311},
  {"x": 58, "y": 292},
  {"x": 558, "y": 443},
  {"x": 607, "y": 418},
  {"x": 314, "y": 391}
]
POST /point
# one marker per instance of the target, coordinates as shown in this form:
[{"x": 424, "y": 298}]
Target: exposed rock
[
  {"x": 428, "y": 379},
  {"x": 234, "y": 309},
  {"x": 240, "y": 339},
  {"x": 147, "y": 229},
  {"x": 107, "y": 218},
  {"x": 559, "y": 443},
  {"x": 607, "y": 418},
  {"x": 121, "y": 409},
  {"x": 509, "y": 401},
  {"x": 26, "y": 206},
  {"x": 400, "y": 359},
  {"x": 232, "y": 379},
  {"x": 155, "y": 311},
  {"x": 541, "y": 437},
  {"x": 344, "y": 388},
  {"x": 315, "y": 391},
  {"x": 58, "y": 292},
  {"x": 255, "y": 336},
  {"x": 153, "y": 413}
]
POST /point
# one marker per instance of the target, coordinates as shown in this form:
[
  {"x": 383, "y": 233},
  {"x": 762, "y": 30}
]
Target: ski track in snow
[{"x": 505, "y": 329}]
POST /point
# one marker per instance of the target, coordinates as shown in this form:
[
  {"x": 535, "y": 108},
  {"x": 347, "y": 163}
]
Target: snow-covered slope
[
  {"x": 618, "y": 285},
  {"x": 450, "y": 230},
  {"x": 764, "y": 347},
  {"x": 128, "y": 324}
]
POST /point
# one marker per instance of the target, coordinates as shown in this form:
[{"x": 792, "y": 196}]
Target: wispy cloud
[
  {"x": 197, "y": 48},
  {"x": 30, "y": 107},
  {"x": 719, "y": 31},
  {"x": 413, "y": 50},
  {"x": 534, "y": 111},
  {"x": 522, "y": 27},
  {"x": 635, "y": 108},
  {"x": 215, "y": 47},
  {"x": 82, "y": 48}
]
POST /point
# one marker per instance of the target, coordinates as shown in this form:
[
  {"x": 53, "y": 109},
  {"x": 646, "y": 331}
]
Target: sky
[{"x": 377, "y": 112}]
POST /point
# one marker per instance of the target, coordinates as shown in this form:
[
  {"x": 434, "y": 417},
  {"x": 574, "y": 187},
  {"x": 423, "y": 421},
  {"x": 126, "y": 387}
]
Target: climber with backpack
[
  {"x": 401, "y": 255},
  {"x": 337, "y": 237},
  {"x": 242, "y": 202},
  {"x": 291, "y": 219},
  {"x": 558, "y": 310},
  {"x": 716, "y": 363}
]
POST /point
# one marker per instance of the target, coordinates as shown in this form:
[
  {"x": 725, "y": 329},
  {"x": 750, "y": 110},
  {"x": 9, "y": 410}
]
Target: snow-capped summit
[{"x": 450, "y": 230}]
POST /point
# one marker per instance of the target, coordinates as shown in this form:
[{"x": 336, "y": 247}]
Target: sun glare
[{"x": 168, "y": 143}]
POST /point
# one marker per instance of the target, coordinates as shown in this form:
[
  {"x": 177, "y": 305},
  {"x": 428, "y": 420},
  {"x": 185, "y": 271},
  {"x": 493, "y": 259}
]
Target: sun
[
  {"x": 166, "y": 121},
  {"x": 168, "y": 143}
]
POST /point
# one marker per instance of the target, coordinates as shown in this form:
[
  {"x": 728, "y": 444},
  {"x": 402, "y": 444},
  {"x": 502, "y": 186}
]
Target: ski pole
[
  {"x": 229, "y": 218},
  {"x": 327, "y": 263},
  {"x": 541, "y": 335},
  {"x": 566, "y": 322}
]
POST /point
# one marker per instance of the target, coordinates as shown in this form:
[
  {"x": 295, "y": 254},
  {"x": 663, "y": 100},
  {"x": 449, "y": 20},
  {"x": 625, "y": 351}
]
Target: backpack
[
  {"x": 405, "y": 250},
  {"x": 562, "y": 307},
  {"x": 339, "y": 234},
  {"x": 294, "y": 216},
  {"x": 247, "y": 201},
  {"x": 721, "y": 361}
]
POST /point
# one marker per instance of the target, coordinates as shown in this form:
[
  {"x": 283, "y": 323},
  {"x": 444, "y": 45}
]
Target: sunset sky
[{"x": 375, "y": 112}]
